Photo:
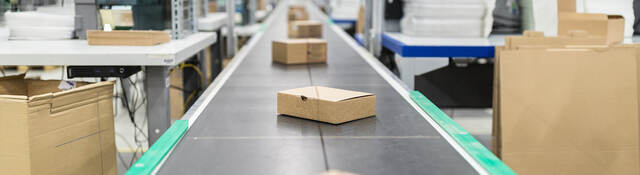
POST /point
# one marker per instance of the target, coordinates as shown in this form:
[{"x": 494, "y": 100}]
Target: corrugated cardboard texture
[
  {"x": 127, "y": 37},
  {"x": 297, "y": 13},
  {"x": 299, "y": 51},
  {"x": 569, "y": 111},
  {"x": 326, "y": 104},
  {"x": 305, "y": 29},
  {"x": 56, "y": 132}
]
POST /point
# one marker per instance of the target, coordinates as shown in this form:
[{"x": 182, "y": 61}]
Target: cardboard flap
[
  {"x": 326, "y": 93},
  {"x": 292, "y": 41},
  {"x": 583, "y": 16}
]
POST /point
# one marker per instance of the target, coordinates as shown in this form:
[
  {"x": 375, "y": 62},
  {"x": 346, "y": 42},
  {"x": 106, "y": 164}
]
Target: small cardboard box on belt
[
  {"x": 299, "y": 51},
  {"x": 325, "y": 104},
  {"x": 46, "y": 130},
  {"x": 297, "y": 13},
  {"x": 305, "y": 29}
]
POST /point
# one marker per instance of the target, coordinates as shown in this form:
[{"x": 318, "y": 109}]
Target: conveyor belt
[{"x": 239, "y": 132}]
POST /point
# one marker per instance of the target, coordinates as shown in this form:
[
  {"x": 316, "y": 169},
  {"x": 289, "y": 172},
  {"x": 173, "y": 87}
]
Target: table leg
[{"x": 158, "y": 106}]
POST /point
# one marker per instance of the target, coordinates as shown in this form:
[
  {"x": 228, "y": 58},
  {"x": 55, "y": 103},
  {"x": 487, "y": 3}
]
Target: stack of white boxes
[
  {"x": 345, "y": 9},
  {"x": 448, "y": 18}
]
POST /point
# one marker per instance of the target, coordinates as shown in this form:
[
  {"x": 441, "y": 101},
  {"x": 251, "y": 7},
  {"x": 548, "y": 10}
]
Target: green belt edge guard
[
  {"x": 150, "y": 159},
  {"x": 482, "y": 155}
]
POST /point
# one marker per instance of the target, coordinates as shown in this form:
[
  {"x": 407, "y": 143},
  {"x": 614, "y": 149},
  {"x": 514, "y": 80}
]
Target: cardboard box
[
  {"x": 44, "y": 130},
  {"x": 531, "y": 39},
  {"x": 262, "y": 4},
  {"x": 176, "y": 97},
  {"x": 579, "y": 115},
  {"x": 305, "y": 29},
  {"x": 609, "y": 26},
  {"x": 127, "y": 37},
  {"x": 176, "y": 94},
  {"x": 567, "y": 6},
  {"x": 325, "y": 104},
  {"x": 299, "y": 51},
  {"x": 213, "y": 7},
  {"x": 297, "y": 13},
  {"x": 360, "y": 21}
]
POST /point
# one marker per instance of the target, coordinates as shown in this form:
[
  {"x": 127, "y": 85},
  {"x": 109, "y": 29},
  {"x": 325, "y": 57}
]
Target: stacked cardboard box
[
  {"x": 45, "y": 130},
  {"x": 176, "y": 94},
  {"x": 568, "y": 104},
  {"x": 297, "y": 13},
  {"x": 609, "y": 26},
  {"x": 299, "y": 51},
  {"x": 305, "y": 29}
]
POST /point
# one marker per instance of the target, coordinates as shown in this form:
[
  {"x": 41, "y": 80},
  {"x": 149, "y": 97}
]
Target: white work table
[
  {"x": 212, "y": 21},
  {"x": 157, "y": 60},
  {"x": 78, "y": 52}
]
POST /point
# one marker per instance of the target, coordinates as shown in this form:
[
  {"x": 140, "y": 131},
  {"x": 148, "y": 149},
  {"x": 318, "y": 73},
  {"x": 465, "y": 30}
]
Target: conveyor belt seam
[{"x": 482, "y": 155}]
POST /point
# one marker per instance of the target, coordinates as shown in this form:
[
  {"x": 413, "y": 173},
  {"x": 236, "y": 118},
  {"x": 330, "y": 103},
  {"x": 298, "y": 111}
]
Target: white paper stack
[
  {"x": 39, "y": 26},
  {"x": 345, "y": 9},
  {"x": 448, "y": 18}
]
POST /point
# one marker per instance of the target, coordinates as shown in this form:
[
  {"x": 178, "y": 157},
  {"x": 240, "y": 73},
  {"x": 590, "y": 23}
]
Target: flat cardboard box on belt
[
  {"x": 297, "y": 13},
  {"x": 325, "y": 104},
  {"x": 44, "y": 130},
  {"x": 299, "y": 51},
  {"x": 305, "y": 29},
  {"x": 569, "y": 109}
]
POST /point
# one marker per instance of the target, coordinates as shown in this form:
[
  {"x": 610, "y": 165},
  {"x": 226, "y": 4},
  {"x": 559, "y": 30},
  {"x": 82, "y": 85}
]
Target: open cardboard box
[
  {"x": 325, "y": 104},
  {"x": 566, "y": 105},
  {"x": 45, "y": 130}
]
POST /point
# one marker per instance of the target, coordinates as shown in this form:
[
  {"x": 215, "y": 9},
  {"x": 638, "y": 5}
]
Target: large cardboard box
[
  {"x": 325, "y": 104},
  {"x": 567, "y": 109},
  {"x": 297, "y": 13},
  {"x": 305, "y": 29},
  {"x": 44, "y": 130},
  {"x": 299, "y": 51}
]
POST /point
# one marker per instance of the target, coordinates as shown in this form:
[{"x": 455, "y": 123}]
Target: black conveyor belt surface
[{"x": 239, "y": 131}]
